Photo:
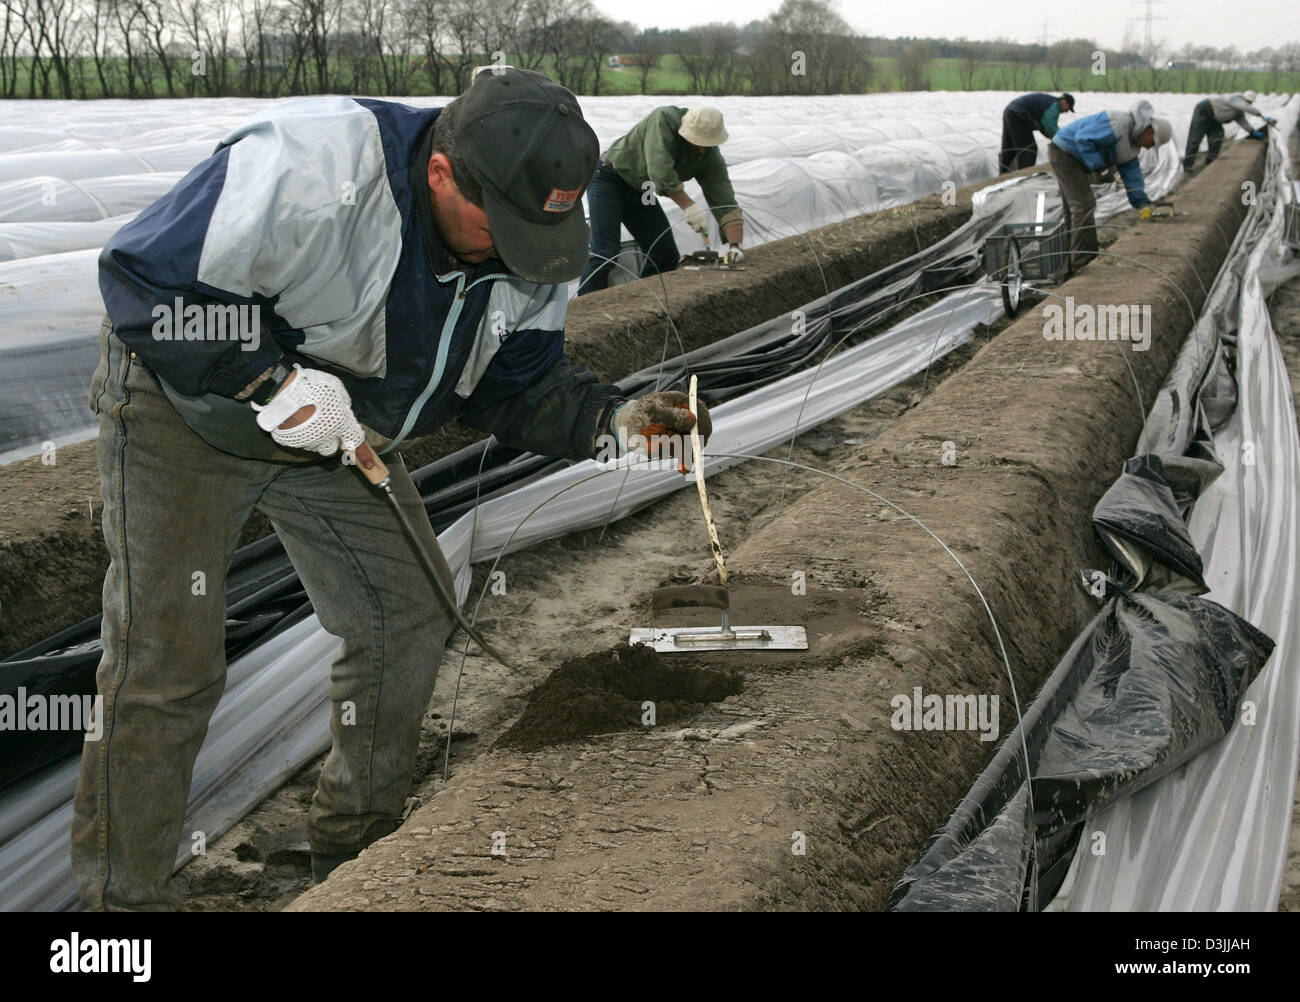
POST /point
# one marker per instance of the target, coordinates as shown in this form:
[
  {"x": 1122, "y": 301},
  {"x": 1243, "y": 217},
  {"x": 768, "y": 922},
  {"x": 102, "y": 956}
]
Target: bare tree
[
  {"x": 708, "y": 53},
  {"x": 12, "y": 30},
  {"x": 805, "y": 47},
  {"x": 157, "y": 31},
  {"x": 969, "y": 58},
  {"x": 385, "y": 38},
  {"x": 534, "y": 31},
  {"x": 649, "y": 47},
  {"x": 594, "y": 36},
  {"x": 914, "y": 67}
]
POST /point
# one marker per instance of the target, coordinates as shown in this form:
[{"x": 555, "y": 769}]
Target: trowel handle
[
  {"x": 689, "y": 596},
  {"x": 371, "y": 465}
]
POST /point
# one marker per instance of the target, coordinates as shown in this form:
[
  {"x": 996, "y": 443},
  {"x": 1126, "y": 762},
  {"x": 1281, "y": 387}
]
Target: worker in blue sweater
[
  {"x": 1089, "y": 147},
  {"x": 1021, "y": 119}
]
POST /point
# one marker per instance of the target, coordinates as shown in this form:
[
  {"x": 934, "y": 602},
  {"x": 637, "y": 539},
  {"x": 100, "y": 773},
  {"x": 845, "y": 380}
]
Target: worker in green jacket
[
  {"x": 665, "y": 149},
  {"x": 1021, "y": 119}
]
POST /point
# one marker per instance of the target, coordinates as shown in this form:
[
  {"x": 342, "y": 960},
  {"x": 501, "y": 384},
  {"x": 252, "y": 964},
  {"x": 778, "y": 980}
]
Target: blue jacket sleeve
[
  {"x": 1131, "y": 172},
  {"x": 149, "y": 268}
]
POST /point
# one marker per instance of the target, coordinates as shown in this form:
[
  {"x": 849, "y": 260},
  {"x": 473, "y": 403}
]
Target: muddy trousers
[
  {"x": 1019, "y": 147},
  {"x": 173, "y": 510},
  {"x": 613, "y": 204},
  {"x": 1078, "y": 202},
  {"x": 1204, "y": 126}
]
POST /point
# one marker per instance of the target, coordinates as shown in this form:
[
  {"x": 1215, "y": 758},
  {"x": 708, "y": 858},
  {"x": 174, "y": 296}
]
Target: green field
[{"x": 671, "y": 78}]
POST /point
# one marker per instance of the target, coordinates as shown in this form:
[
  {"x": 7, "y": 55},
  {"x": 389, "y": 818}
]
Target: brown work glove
[{"x": 664, "y": 413}]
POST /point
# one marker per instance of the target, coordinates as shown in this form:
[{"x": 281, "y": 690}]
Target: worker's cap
[
  {"x": 1067, "y": 96},
  {"x": 1250, "y": 96},
  {"x": 702, "y": 126},
  {"x": 527, "y": 144},
  {"x": 1163, "y": 130}
]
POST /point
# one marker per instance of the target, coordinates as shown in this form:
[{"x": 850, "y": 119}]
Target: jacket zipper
[{"x": 444, "y": 346}]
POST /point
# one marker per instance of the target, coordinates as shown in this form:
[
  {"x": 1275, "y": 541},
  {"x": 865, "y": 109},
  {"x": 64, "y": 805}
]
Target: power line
[{"x": 1149, "y": 4}]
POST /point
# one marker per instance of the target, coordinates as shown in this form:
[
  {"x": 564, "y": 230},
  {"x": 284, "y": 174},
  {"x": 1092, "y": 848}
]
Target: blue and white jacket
[
  {"x": 318, "y": 213},
  {"x": 1107, "y": 139}
]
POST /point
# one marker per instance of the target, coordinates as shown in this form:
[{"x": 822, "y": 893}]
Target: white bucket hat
[
  {"x": 1164, "y": 131},
  {"x": 1250, "y": 96},
  {"x": 702, "y": 126}
]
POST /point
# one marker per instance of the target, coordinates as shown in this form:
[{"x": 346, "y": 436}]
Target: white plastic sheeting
[
  {"x": 27, "y": 240},
  {"x": 46, "y": 199},
  {"x": 1213, "y": 836}
]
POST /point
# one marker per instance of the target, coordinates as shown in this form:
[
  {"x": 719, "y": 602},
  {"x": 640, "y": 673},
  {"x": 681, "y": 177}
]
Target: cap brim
[{"x": 544, "y": 253}]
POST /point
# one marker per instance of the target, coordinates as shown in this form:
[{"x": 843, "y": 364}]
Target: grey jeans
[
  {"x": 1080, "y": 205},
  {"x": 174, "y": 506}
]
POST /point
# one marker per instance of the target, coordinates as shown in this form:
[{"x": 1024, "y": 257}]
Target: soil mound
[{"x": 606, "y": 691}]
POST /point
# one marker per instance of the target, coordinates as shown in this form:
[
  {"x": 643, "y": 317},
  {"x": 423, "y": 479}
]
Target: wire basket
[{"x": 1044, "y": 249}]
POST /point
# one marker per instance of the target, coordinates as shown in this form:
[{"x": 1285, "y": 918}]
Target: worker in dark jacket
[
  {"x": 1208, "y": 119},
  {"x": 1086, "y": 148},
  {"x": 338, "y": 272},
  {"x": 666, "y": 148},
  {"x": 1021, "y": 119}
]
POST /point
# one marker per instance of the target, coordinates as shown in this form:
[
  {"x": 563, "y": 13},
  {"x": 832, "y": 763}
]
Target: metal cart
[{"x": 1020, "y": 253}]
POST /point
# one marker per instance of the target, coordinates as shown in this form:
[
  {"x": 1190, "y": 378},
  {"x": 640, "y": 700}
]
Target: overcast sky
[{"x": 1202, "y": 22}]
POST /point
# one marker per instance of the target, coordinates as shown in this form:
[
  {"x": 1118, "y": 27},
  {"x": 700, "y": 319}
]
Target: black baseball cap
[
  {"x": 527, "y": 144},
  {"x": 1069, "y": 97}
]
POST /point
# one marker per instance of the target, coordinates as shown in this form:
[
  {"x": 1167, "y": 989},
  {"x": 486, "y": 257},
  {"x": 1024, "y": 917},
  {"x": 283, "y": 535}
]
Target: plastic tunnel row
[{"x": 1141, "y": 712}]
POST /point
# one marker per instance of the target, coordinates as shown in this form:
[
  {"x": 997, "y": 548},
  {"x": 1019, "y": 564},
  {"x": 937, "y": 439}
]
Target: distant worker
[
  {"x": 666, "y": 148},
  {"x": 1021, "y": 119},
  {"x": 1101, "y": 142},
  {"x": 1210, "y": 116}
]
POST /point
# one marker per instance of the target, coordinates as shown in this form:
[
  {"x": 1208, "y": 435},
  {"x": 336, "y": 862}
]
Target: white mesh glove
[
  {"x": 733, "y": 254},
  {"x": 697, "y": 218},
  {"x": 330, "y": 424}
]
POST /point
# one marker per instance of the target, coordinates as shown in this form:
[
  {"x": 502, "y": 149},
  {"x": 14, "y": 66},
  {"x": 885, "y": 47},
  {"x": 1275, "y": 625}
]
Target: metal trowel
[
  {"x": 670, "y": 639},
  {"x": 707, "y": 260}
]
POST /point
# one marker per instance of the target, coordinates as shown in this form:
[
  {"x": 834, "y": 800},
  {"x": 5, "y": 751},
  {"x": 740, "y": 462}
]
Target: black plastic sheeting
[
  {"x": 1151, "y": 683},
  {"x": 263, "y": 593},
  {"x": 1154, "y": 679}
]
